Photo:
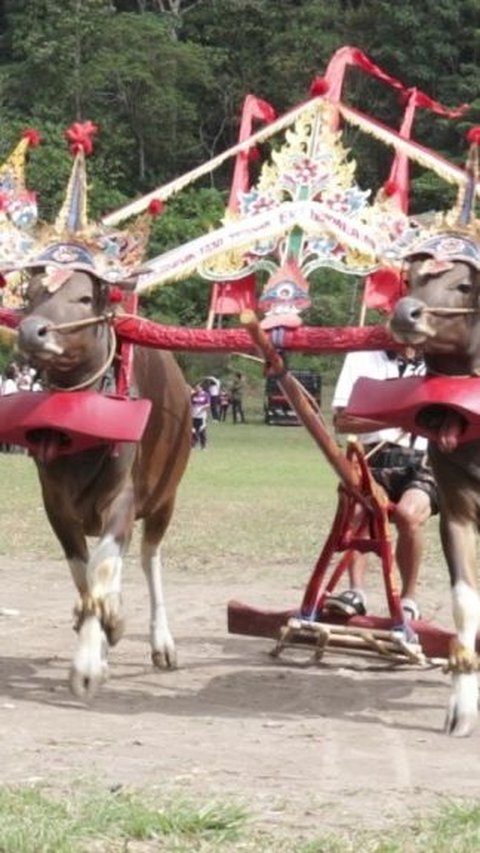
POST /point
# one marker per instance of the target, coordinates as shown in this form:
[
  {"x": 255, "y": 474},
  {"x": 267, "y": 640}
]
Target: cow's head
[
  {"x": 64, "y": 297},
  {"x": 441, "y": 313}
]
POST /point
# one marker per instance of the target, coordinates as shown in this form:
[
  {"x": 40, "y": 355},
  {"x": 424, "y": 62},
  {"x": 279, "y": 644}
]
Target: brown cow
[
  {"x": 441, "y": 314},
  {"x": 101, "y": 491}
]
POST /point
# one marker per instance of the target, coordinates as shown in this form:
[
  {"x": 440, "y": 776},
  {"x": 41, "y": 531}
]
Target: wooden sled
[{"x": 390, "y": 637}]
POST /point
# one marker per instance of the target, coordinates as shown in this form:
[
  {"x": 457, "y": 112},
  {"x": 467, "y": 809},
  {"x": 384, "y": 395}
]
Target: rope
[
  {"x": 446, "y": 311},
  {"x": 100, "y": 372},
  {"x": 78, "y": 324}
]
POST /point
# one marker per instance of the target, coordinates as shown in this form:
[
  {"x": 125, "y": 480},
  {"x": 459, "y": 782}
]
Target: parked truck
[{"x": 277, "y": 409}]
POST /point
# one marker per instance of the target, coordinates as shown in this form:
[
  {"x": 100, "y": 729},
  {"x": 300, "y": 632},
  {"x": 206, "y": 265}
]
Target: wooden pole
[{"x": 347, "y": 473}]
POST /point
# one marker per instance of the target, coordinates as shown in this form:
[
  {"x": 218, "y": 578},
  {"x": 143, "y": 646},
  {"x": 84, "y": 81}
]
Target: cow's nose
[
  {"x": 32, "y": 332},
  {"x": 407, "y": 313}
]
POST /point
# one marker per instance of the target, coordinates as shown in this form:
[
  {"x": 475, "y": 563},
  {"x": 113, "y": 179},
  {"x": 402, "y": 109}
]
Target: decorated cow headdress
[
  {"x": 455, "y": 235},
  {"x": 18, "y": 205},
  {"x": 71, "y": 242}
]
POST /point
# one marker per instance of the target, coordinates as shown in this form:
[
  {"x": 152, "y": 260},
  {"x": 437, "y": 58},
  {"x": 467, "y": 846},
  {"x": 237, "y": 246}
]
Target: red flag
[
  {"x": 332, "y": 82},
  {"x": 253, "y": 109},
  {"x": 383, "y": 288},
  {"x": 233, "y": 297}
]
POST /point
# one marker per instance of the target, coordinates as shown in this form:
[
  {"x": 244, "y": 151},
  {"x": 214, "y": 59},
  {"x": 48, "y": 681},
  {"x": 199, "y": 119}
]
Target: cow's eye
[
  {"x": 85, "y": 300},
  {"x": 464, "y": 287}
]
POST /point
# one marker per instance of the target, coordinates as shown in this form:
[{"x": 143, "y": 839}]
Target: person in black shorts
[{"x": 399, "y": 463}]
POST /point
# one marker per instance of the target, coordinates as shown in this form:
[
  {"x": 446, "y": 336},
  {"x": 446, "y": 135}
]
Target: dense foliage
[{"x": 165, "y": 80}]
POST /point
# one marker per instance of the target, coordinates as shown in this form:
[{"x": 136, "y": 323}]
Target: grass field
[
  {"x": 261, "y": 497},
  {"x": 89, "y": 820},
  {"x": 256, "y": 490}
]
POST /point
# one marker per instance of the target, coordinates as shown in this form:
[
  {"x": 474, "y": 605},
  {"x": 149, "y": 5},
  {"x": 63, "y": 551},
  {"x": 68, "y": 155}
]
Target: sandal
[
  {"x": 410, "y": 609},
  {"x": 350, "y": 603}
]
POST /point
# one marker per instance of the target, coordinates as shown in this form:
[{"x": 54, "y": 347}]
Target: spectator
[
  {"x": 213, "y": 388},
  {"x": 25, "y": 378},
  {"x": 9, "y": 386},
  {"x": 224, "y": 404},
  {"x": 398, "y": 463},
  {"x": 200, "y": 401},
  {"x": 236, "y": 397},
  {"x": 10, "y": 383}
]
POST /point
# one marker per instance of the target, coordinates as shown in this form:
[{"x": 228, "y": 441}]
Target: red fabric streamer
[
  {"x": 397, "y": 187},
  {"x": 337, "y": 67},
  {"x": 79, "y": 135},
  {"x": 345, "y": 56},
  {"x": 383, "y": 289},
  {"x": 357, "y": 57},
  {"x": 156, "y": 207},
  {"x": 473, "y": 136},
  {"x": 390, "y": 188},
  {"x": 254, "y": 109},
  {"x": 10, "y": 317},
  {"x": 233, "y": 297},
  {"x": 32, "y": 136},
  {"x": 423, "y": 100},
  {"x": 115, "y": 295},
  {"x": 319, "y": 86}
]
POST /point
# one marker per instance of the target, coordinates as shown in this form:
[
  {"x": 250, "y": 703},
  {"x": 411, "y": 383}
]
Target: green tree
[{"x": 187, "y": 216}]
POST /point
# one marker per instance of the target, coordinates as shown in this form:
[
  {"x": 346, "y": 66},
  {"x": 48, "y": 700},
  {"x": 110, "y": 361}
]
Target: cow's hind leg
[
  {"x": 459, "y": 547},
  {"x": 161, "y": 641}
]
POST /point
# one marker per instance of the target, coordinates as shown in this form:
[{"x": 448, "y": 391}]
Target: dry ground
[{"x": 308, "y": 750}]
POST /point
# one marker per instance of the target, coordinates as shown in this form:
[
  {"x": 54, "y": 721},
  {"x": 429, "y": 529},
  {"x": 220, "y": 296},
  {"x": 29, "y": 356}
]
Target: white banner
[{"x": 315, "y": 219}]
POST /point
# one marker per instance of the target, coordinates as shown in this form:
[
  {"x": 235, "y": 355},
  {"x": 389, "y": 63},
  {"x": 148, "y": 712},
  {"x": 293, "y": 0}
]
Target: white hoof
[
  {"x": 89, "y": 668},
  {"x": 462, "y": 708},
  {"x": 164, "y": 658},
  {"x": 164, "y": 655}
]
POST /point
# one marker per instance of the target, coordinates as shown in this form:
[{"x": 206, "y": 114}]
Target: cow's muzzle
[
  {"x": 409, "y": 322},
  {"x": 35, "y": 337}
]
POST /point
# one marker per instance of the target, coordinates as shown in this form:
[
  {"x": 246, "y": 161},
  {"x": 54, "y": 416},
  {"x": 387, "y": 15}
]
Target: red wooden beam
[{"x": 313, "y": 340}]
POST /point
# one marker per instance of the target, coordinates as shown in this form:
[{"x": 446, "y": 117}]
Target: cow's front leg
[
  {"x": 101, "y": 621},
  {"x": 459, "y": 546},
  {"x": 164, "y": 655},
  {"x": 71, "y": 537}
]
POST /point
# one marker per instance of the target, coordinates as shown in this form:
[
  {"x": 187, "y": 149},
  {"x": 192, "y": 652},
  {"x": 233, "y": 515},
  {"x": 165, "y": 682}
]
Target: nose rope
[
  {"x": 101, "y": 370},
  {"x": 78, "y": 324},
  {"x": 447, "y": 311}
]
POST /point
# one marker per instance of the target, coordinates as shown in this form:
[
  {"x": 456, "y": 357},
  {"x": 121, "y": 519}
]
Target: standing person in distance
[
  {"x": 213, "y": 386},
  {"x": 224, "y": 403},
  {"x": 236, "y": 397},
  {"x": 200, "y": 402}
]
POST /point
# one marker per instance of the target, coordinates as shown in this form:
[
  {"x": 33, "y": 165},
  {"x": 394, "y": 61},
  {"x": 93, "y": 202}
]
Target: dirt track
[{"x": 310, "y": 749}]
